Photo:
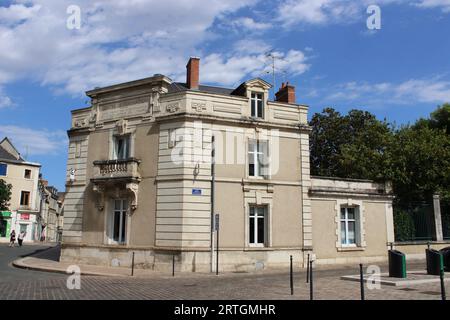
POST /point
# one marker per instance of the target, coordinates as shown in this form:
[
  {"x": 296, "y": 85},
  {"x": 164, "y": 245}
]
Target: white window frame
[
  {"x": 122, "y": 211},
  {"x": 345, "y": 242},
  {"x": 255, "y": 153},
  {"x": 256, "y": 217},
  {"x": 256, "y": 97}
]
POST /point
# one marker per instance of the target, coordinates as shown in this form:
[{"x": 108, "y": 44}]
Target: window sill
[
  {"x": 258, "y": 249},
  {"x": 344, "y": 249}
]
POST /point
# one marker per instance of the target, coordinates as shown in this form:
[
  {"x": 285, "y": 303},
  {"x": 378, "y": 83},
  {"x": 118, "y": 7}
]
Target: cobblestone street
[{"x": 29, "y": 285}]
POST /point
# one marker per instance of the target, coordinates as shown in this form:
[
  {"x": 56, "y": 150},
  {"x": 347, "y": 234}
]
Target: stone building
[
  {"x": 141, "y": 178},
  {"x": 51, "y": 212},
  {"x": 24, "y": 206}
]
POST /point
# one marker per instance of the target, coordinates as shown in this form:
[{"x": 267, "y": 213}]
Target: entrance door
[
  {"x": 3, "y": 227},
  {"x": 119, "y": 221}
]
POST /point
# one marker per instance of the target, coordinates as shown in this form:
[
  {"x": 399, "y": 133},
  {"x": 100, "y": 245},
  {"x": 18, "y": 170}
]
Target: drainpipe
[{"x": 213, "y": 174}]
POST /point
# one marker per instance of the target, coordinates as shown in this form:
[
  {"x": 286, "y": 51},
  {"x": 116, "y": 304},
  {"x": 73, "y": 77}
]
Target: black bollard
[
  {"x": 444, "y": 297},
  {"x": 361, "y": 279},
  {"x": 307, "y": 270},
  {"x": 173, "y": 266},
  {"x": 292, "y": 278},
  {"x": 311, "y": 288},
  {"x": 132, "y": 265}
]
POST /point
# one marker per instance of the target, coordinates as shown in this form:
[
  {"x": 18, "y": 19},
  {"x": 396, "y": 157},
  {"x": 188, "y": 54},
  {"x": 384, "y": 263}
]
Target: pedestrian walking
[
  {"x": 12, "y": 238},
  {"x": 21, "y": 237}
]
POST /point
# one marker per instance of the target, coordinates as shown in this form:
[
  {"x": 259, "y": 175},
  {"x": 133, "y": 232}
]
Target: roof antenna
[
  {"x": 271, "y": 55},
  {"x": 26, "y": 152}
]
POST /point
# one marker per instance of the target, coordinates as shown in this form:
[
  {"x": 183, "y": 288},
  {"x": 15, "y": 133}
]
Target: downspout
[{"x": 213, "y": 175}]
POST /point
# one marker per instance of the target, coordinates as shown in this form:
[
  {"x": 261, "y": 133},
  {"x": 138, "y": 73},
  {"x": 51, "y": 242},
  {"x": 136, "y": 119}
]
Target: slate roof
[
  {"x": 179, "y": 87},
  {"x": 5, "y": 155}
]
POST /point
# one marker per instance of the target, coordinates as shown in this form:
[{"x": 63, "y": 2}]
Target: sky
[{"x": 399, "y": 71}]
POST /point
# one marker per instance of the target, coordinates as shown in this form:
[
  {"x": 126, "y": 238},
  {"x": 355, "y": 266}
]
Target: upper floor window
[
  {"x": 257, "y": 158},
  {"x": 3, "y": 169},
  {"x": 27, "y": 174},
  {"x": 25, "y": 198},
  {"x": 349, "y": 226},
  {"x": 257, "y": 105},
  {"x": 122, "y": 147}
]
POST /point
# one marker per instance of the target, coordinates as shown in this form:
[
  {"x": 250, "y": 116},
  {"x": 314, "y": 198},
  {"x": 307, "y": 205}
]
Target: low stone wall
[{"x": 185, "y": 261}]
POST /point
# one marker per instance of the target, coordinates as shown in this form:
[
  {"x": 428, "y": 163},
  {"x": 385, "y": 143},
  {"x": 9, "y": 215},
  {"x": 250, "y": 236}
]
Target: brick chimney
[
  {"x": 286, "y": 93},
  {"x": 192, "y": 73}
]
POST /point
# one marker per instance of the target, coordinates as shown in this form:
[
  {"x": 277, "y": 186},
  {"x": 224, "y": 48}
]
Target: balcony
[{"x": 122, "y": 170}]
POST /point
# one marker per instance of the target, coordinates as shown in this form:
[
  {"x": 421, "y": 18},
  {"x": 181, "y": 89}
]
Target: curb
[{"x": 21, "y": 264}]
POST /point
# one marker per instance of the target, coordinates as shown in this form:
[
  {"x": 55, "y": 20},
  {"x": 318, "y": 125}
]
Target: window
[
  {"x": 258, "y": 158},
  {"x": 25, "y": 198},
  {"x": 257, "y": 105},
  {"x": 122, "y": 147},
  {"x": 3, "y": 169},
  {"x": 27, "y": 174},
  {"x": 349, "y": 226},
  {"x": 119, "y": 219},
  {"x": 257, "y": 226}
]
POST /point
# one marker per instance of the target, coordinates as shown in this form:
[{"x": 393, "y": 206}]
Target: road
[
  {"x": 10, "y": 274},
  {"x": 32, "y": 285}
]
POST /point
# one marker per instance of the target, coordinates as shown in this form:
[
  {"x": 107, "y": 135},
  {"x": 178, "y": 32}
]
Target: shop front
[{"x": 5, "y": 224}]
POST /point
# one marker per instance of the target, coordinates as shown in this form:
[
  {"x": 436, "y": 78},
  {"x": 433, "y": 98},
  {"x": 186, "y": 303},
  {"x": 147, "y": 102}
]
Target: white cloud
[
  {"x": 5, "y": 101},
  {"x": 230, "y": 70},
  {"x": 35, "y": 142},
  {"x": 250, "y": 24},
  {"x": 324, "y": 12},
  {"x": 442, "y": 4},
  {"x": 413, "y": 91},
  {"x": 118, "y": 41}
]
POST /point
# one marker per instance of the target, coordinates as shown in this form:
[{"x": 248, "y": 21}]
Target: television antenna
[{"x": 273, "y": 59}]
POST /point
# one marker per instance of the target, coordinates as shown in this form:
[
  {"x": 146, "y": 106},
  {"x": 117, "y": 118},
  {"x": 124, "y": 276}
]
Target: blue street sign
[{"x": 197, "y": 192}]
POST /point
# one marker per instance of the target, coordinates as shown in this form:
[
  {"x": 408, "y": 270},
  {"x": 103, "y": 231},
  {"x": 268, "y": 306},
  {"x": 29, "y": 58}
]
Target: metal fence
[
  {"x": 414, "y": 222},
  {"x": 445, "y": 215}
]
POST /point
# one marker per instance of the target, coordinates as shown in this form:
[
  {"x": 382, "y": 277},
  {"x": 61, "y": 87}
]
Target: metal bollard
[
  {"x": 132, "y": 265},
  {"x": 292, "y": 278},
  {"x": 307, "y": 270},
  {"x": 311, "y": 287},
  {"x": 361, "y": 279},
  {"x": 173, "y": 266},
  {"x": 443, "y": 295}
]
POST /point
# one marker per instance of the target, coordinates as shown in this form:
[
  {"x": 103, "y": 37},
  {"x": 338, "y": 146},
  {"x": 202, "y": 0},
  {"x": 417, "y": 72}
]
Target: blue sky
[{"x": 323, "y": 47}]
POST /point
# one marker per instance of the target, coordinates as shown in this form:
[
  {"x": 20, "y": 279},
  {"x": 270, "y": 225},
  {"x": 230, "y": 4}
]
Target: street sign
[
  {"x": 216, "y": 221},
  {"x": 197, "y": 192}
]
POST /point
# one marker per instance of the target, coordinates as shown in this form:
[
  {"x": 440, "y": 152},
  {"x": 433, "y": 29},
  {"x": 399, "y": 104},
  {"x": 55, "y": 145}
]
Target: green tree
[
  {"x": 439, "y": 119},
  {"x": 5, "y": 195},
  {"x": 419, "y": 161},
  {"x": 350, "y": 146}
]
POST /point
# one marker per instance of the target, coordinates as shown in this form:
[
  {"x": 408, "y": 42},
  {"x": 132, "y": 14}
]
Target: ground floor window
[
  {"x": 119, "y": 219},
  {"x": 349, "y": 226},
  {"x": 258, "y": 226}
]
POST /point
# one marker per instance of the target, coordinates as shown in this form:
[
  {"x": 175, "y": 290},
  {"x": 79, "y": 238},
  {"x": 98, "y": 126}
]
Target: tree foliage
[
  {"x": 416, "y": 158},
  {"x": 5, "y": 195}
]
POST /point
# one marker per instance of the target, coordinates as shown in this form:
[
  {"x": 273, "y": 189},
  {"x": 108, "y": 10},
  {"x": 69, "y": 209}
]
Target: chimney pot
[
  {"x": 192, "y": 73},
  {"x": 286, "y": 93}
]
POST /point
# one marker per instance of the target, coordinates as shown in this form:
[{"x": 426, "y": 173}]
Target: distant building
[
  {"x": 24, "y": 213},
  {"x": 51, "y": 212}
]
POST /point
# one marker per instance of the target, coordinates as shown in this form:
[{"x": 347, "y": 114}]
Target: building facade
[
  {"x": 161, "y": 168},
  {"x": 24, "y": 209}
]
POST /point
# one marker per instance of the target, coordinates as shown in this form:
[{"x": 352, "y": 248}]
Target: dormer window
[{"x": 257, "y": 105}]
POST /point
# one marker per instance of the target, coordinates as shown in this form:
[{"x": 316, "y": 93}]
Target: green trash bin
[
  {"x": 397, "y": 264},
  {"x": 435, "y": 262}
]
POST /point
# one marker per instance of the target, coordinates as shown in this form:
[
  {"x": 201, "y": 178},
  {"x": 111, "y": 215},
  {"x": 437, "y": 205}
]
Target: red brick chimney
[
  {"x": 192, "y": 74},
  {"x": 286, "y": 93}
]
